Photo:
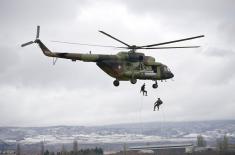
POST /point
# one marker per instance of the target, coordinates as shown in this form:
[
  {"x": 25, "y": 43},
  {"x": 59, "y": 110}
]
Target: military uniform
[
  {"x": 157, "y": 104},
  {"x": 143, "y": 90}
]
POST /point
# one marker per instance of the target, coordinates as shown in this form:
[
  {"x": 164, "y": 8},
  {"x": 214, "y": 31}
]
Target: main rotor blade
[
  {"x": 169, "y": 47},
  {"x": 28, "y": 43},
  {"x": 174, "y": 41},
  {"x": 114, "y": 38},
  {"x": 95, "y": 45},
  {"x": 38, "y": 32}
]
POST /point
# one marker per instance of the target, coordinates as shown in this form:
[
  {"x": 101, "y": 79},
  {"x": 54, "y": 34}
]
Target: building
[{"x": 172, "y": 149}]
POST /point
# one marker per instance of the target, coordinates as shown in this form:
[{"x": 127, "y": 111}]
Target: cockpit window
[{"x": 165, "y": 69}]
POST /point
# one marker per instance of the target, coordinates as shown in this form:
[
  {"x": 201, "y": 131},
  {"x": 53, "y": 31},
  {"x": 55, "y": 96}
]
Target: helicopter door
[
  {"x": 161, "y": 70},
  {"x": 154, "y": 68}
]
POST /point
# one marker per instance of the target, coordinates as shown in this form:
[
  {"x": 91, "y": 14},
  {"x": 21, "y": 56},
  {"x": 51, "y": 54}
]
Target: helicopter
[{"x": 125, "y": 65}]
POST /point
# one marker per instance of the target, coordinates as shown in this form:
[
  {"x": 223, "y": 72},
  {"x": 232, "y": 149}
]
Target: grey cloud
[
  {"x": 29, "y": 82},
  {"x": 28, "y": 67},
  {"x": 226, "y": 32},
  {"x": 31, "y": 11},
  {"x": 8, "y": 59},
  {"x": 210, "y": 8},
  {"x": 218, "y": 52},
  {"x": 219, "y": 67}
]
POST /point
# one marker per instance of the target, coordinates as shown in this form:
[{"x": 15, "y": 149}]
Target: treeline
[
  {"x": 222, "y": 144},
  {"x": 75, "y": 150},
  {"x": 95, "y": 151},
  {"x": 223, "y": 147}
]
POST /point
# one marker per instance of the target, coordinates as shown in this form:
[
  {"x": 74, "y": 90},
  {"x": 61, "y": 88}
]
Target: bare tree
[
  {"x": 222, "y": 144},
  {"x": 75, "y": 147},
  {"x": 201, "y": 142},
  {"x": 18, "y": 151},
  {"x": 124, "y": 149},
  {"x": 42, "y": 148},
  {"x": 63, "y": 150},
  {"x": 225, "y": 143}
]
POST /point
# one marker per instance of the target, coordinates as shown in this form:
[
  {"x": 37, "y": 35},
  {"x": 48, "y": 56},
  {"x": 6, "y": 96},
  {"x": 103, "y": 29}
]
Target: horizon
[{"x": 119, "y": 124}]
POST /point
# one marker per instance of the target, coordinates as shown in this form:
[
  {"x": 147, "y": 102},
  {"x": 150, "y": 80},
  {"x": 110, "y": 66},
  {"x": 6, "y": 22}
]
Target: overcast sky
[{"x": 33, "y": 92}]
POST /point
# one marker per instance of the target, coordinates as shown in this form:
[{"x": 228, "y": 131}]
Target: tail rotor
[
  {"x": 28, "y": 43},
  {"x": 38, "y": 32},
  {"x": 31, "y": 42}
]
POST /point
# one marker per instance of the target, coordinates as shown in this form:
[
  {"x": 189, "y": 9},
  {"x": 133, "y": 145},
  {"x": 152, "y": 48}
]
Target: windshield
[{"x": 165, "y": 69}]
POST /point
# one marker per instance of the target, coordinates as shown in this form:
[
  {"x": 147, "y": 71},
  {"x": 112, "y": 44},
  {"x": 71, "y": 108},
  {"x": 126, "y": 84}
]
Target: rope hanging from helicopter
[
  {"x": 163, "y": 125},
  {"x": 140, "y": 114}
]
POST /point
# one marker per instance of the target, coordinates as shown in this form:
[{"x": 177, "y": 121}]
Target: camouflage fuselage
[{"x": 122, "y": 66}]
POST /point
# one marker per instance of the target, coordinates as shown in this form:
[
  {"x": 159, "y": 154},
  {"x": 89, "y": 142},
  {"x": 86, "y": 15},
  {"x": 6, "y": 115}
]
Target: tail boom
[{"x": 74, "y": 56}]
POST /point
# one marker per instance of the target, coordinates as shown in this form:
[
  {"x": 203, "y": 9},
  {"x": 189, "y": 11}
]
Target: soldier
[
  {"x": 157, "y": 104},
  {"x": 143, "y": 90}
]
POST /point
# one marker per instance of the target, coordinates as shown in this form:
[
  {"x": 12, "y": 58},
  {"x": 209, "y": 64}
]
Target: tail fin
[{"x": 44, "y": 49}]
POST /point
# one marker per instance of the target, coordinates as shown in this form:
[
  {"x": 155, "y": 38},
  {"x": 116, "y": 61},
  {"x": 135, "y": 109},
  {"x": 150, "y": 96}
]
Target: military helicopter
[{"x": 123, "y": 66}]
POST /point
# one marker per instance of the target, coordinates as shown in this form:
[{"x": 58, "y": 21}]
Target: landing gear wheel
[
  {"x": 155, "y": 85},
  {"x": 116, "y": 83},
  {"x": 133, "y": 81}
]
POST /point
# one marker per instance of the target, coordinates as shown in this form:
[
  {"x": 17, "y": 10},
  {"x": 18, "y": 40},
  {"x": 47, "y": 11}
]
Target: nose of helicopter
[{"x": 169, "y": 75}]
